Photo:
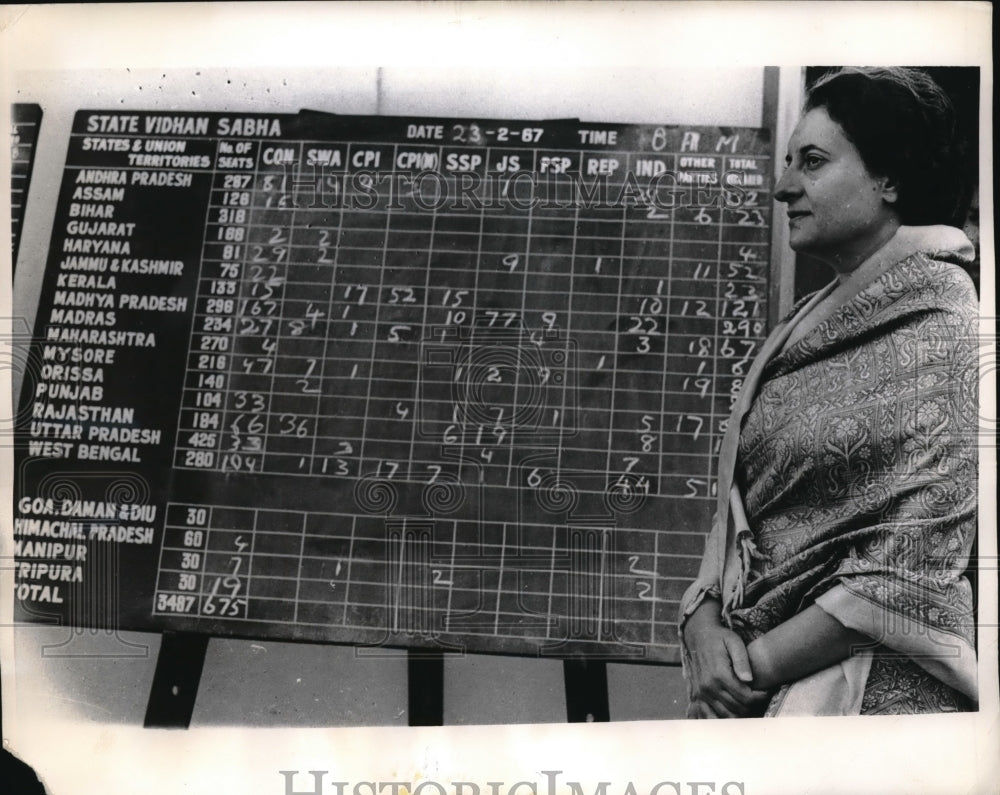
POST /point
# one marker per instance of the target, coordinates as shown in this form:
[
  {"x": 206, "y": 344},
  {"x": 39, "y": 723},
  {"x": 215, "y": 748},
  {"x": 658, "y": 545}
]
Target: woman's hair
[{"x": 904, "y": 127}]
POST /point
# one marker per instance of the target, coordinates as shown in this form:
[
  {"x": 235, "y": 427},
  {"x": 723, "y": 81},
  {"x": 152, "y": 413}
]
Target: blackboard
[
  {"x": 25, "y": 119},
  {"x": 387, "y": 381}
]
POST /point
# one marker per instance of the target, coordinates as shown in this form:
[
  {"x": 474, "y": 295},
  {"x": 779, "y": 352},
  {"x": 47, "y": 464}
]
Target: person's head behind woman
[{"x": 904, "y": 128}]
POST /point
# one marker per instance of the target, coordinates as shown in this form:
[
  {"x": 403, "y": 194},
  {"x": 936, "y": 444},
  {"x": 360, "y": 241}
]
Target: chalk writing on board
[{"x": 387, "y": 381}]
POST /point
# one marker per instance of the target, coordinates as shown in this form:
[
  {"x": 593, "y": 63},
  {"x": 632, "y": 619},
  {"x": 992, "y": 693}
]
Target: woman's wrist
[
  {"x": 707, "y": 615},
  {"x": 761, "y": 665}
]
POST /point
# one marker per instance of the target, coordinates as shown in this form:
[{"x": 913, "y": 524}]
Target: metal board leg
[
  {"x": 175, "y": 681},
  {"x": 425, "y": 685},
  {"x": 586, "y": 691}
]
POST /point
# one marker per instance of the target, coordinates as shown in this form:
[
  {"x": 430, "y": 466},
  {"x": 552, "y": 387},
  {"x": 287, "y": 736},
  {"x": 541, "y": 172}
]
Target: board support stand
[
  {"x": 425, "y": 688},
  {"x": 175, "y": 681},
  {"x": 586, "y": 691}
]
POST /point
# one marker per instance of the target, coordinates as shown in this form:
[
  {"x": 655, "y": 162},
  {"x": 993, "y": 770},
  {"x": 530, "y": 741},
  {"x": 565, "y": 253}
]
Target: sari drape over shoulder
[{"x": 848, "y": 477}]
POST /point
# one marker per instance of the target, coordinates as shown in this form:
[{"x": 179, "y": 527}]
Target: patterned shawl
[{"x": 856, "y": 481}]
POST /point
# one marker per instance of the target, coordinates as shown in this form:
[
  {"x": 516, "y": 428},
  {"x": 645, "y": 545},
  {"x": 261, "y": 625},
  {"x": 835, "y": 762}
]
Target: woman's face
[{"x": 837, "y": 211}]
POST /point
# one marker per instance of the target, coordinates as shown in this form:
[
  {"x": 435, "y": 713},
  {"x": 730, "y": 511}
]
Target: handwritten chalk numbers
[
  {"x": 648, "y": 434},
  {"x": 304, "y": 326},
  {"x": 340, "y": 462},
  {"x": 534, "y": 478},
  {"x": 323, "y": 246},
  {"x": 659, "y": 140},
  {"x": 696, "y": 308},
  {"x": 293, "y": 425},
  {"x": 582, "y": 347},
  {"x": 750, "y": 218},
  {"x": 703, "y": 216},
  {"x": 645, "y": 583},
  {"x": 205, "y": 570},
  {"x": 276, "y": 192},
  {"x": 703, "y": 271},
  {"x": 310, "y": 322},
  {"x": 223, "y": 316}
]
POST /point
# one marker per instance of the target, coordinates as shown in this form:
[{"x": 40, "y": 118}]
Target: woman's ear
[{"x": 890, "y": 191}]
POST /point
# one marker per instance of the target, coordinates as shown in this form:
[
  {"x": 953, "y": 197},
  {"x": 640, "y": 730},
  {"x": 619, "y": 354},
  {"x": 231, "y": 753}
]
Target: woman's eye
[{"x": 812, "y": 161}]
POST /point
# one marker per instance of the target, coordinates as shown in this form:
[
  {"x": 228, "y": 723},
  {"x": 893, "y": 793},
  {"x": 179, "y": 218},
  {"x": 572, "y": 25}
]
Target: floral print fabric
[{"x": 858, "y": 469}]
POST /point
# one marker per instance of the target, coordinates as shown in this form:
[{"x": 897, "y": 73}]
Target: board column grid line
[
  {"x": 350, "y": 568},
  {"x": 615, "y": 352},
  {"x": 217, "y": 447},
  {"x": 567, "y": 342},
  {"x": 255, "y": 518},
  {"x": 473, "y": 319},
  {"x": 500, "y": 573},
  {"x": 280, "y": 335},
  {"x": 202, "y": 575},
  {"x": 417, "y": 397},
  {"x": 228, "y": 393},
  {"x": 451, "y": 574},
  {"x": 298, "y": 569},
  {"x": 716, "y": 338},
  {"x": 667, "y": 336},
  {"x": 375, "y": 340},
  {"x": 523, "y": 327},
  {"x": 334, "y": 272}
]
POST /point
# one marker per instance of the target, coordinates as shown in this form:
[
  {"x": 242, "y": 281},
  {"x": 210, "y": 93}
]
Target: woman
[{"x": 832, "y": 581}]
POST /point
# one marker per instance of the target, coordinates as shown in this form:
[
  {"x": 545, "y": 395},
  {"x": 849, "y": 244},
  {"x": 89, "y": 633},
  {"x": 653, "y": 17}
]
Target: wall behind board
[{"x": 106, "y": 677}]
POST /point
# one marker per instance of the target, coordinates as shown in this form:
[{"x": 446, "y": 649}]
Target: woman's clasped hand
[{"x": 721, "y": 678}]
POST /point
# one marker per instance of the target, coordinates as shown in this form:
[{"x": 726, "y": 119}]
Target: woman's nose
[{"x": 787, "y": 187}]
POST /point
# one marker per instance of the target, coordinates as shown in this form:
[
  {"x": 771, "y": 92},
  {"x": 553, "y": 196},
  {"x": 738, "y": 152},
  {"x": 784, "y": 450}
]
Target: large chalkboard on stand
[{"x": 420, "y": 382}]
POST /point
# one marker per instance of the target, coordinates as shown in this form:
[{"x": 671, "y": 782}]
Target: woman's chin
[
  {"x": 799, "y": 243},
  {"x": 803, "y": 243}
]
